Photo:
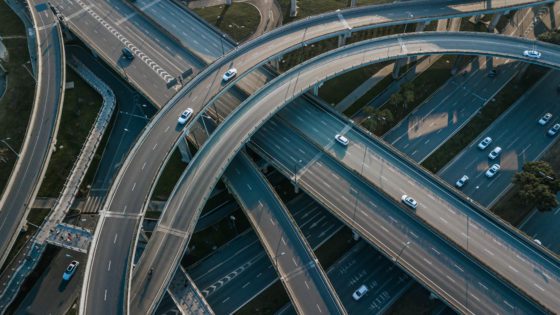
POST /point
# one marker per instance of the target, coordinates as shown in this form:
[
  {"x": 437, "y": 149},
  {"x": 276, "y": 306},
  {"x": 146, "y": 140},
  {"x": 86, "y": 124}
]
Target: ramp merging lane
[
  {"x": 210, "y": 162},
  {"x": 126, "y": 202},
  {"x": 28, "y": 173}
]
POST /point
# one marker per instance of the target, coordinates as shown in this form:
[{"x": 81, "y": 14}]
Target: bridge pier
[
  {"x": 352, "y": 3},
  {"x": 186, "y": 154},
  {"x": 342, "y": 38},
  {"x": 316, "y": 88},
  {"x": 494, "y": 22},
  {"x": 400, "y": 62},
  {"x": 275, "y": 62},
  {"x": 293, "y": 8}
]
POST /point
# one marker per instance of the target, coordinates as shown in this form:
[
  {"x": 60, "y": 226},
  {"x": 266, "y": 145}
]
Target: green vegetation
[
  {"x": 240, "y": 20},
  {"x": 81, "y": 105},
  {"x": 170, "y": 176},
  {"x": 368, "y": 96},
  {"x": 488, "y": 114},
  {"x": 335, "y": 90},
  {"x": 550, "y": 37},
  {"x": 313, "y": 7},
  {"x": 376, "y": 118},
  {"x": 16, "y": 104},
  {"x": 537, "y": 185}
]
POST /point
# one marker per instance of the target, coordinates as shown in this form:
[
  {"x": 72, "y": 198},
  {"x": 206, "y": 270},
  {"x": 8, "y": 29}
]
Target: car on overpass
[
  {"x": 360, "y": 292},
  {"x": 342, "y": 140},
  {"x": 185, "y": 115},
  {"x": 495, "y": 153},
  {"x": 531, "y": 53},
  {"x": 553, "y": 130},
  {"x": 409, "y": 201},
  {"x": 545, "y": 119},
  {"x": 229, "y": 74}
]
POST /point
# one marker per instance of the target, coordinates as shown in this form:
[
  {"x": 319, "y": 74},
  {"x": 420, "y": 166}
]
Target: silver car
[
  {"x": 360, "y": 292},
  {"x": 342, "y": 140},
  {"x": 484, "y": 143},
  {"x": 544, "y": 119},
  {"x": 492, "y": 170},
  {"x": 409, "y": 201}
]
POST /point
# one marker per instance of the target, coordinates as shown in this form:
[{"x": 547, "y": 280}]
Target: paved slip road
[
  {"x": 175, "y": 227},
  {"x": 303, "y": 277},
  {"x": 34, "y": 156},
  {"x": 517, "y": 133},
  {"x": 108, "y": 26},
  {"x": 144, "y": 160}
]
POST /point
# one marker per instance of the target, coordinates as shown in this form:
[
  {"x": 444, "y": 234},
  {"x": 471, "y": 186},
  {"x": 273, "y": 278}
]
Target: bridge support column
[
  {"x": 228, "y": 2},
  {"x": 397, "y": 67},
  {"x": 421, "y": 26},
  {"x": 489, "y": 63},
  {"x": 342, "y": 38},
  {"x": 296, "y": 188},
  {"x": 494, "y": 22},
  {"x": 454, "y": 24},
  {"x": 352, "y": 3},
  {"x": 316, "y": 88},
  {"x": 186, "y": 154},
  {"x": 275, "y": 63},
  {"x": 355, "y": 235},
  {"x": 293, "y": 8}
]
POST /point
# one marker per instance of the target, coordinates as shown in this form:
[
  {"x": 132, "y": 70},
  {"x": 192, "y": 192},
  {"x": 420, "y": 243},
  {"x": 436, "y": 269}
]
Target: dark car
[{"x": 127, "y": 53}]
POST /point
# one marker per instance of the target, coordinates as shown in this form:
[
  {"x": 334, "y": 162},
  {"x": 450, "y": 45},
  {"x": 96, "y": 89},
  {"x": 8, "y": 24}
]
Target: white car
[
  {"x": 492, "y": 170},
  {"x": 554, "y": 130},
  {"x": 462, "y": 181},
  {"x": 409, "y": 201},
  {"x": 342, "y": 140},
  {"x": 495, "y": 153},
  {"x": 532, "y": 54},
  {"x": 484, "y": 143},
  {"x": 184, "y": 117},
  {"x": 229, "y": 74},
  {"x": 70, "y": 270},
  {"x": 360, "y": 292},
  {"x": 544, "y": 119}
]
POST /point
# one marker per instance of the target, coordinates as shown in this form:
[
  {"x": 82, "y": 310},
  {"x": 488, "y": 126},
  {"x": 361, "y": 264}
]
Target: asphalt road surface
[
  {"x": 177, "y": 226},
  {"x": 149, "y": 163},
  {"x": 519, "y": 135},
  {"x": 27, "y": 174}
]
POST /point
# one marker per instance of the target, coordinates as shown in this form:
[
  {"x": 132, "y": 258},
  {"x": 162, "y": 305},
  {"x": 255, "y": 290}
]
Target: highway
[
  {"x": 518, "y": 147},
  {"x": 240, "y": 126},
  {"x": 303, "y": 277},
  {"x": 108, "y": 26},
  {"x": 29, "y": 170},
  {"x": 144, "y": 161}
]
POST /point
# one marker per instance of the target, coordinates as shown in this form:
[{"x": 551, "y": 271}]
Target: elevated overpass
[
  {"x": 40, "y": 137},
  {"x": 251, "y": 54},
  {"x": 202, "y": 174}
]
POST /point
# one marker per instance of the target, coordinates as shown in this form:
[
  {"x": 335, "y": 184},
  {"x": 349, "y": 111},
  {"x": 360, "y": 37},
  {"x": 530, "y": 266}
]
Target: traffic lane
[
  {"x": 542, "y": 226},
  {"x": 34, "y": 151},
  {"x": 50, "y": 293},
  {"x": 168, "y": 54},
  {"x": 365, "y": 265},
  {"x": 354, "y": 201},
  {"x": 255, "y": 271},
  {"x": 194, "y": 34},
  {"x": 201, "y": 190},
  {"x": 304, "y": 279},
  {"x": 138, "y": 72},
  {"x": 106, "y": 292},
  {"x": 487, "y": 247},
  {"x": 431, "y": 124},
  {"x": 440, "y": 265},
  {"x": 520, "y": 136}
]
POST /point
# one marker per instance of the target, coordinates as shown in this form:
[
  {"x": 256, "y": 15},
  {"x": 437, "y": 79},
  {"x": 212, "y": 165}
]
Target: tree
[
  {"x": 550, "y": 37},
  {"x": 376, "y": 118},
  {"x": 538, "y": 185}
]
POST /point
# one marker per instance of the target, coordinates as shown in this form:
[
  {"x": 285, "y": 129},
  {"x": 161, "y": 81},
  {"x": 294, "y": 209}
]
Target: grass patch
[
  {"x": 335, "y": 90},
  {"x": 312, "y": 7},
  {"x": 488, "y": 114},
  {"x": 239, "y": 21},
  {"x": 81, "y": 105},
  {"x": 16, "y": 104},
  {"x": 368, "y": 96},
  {"x": 420, "y": 88},
  {"x": 169, "y": 177}
]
